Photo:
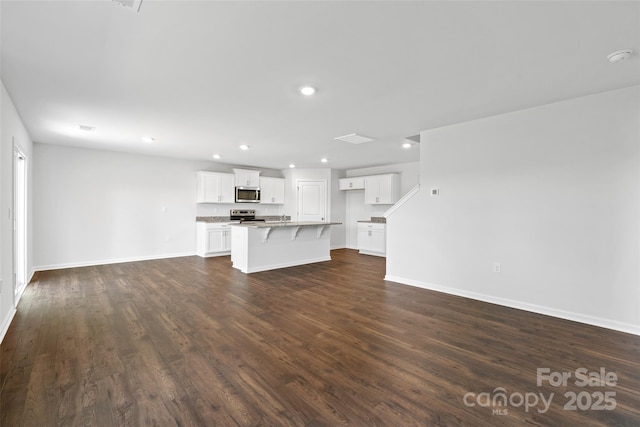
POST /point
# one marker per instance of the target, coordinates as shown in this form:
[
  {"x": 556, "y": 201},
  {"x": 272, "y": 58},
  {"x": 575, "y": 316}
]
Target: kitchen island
[{"x": 268, "y": 246}]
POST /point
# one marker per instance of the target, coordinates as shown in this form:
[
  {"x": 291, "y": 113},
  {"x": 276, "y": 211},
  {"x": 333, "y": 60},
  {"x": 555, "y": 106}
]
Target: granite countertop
[
  {"x": 227, "y": 219},
  {"x": 283, "y": 224},
  {"x": 376, "y": 220},
  {"x": 212, "y": 219}
]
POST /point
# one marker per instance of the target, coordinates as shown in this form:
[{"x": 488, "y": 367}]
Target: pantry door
[{"x": 312, "y": 201}]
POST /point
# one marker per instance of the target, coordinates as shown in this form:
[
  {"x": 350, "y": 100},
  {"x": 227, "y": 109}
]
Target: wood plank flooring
[{"x": 193, "y": 342}]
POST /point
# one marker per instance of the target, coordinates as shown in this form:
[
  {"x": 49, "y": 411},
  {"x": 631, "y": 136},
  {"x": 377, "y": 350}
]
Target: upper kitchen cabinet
[
  {"x": 271, "y": 191},
  {"x": 382, "y": 189},
  {"x": 355, "y": 183},
  {"x": 247, "y": 178},
  {"x": 215, "y": 187}
]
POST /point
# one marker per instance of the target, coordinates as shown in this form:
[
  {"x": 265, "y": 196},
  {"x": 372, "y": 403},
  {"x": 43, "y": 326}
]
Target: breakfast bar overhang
[{"x": 268, "y": 246}]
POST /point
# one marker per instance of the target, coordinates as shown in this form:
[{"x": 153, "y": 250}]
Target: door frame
[
  {"x": 326, "y": 196},
  {"x": 19, "y": 217}
]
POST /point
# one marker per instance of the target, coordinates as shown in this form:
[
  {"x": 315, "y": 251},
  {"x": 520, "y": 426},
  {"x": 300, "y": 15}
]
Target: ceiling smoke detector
[
  {"x": 619, "y": 55},
  {"x": 354, "y": 138},
  {"x": 131, "y": 4}
]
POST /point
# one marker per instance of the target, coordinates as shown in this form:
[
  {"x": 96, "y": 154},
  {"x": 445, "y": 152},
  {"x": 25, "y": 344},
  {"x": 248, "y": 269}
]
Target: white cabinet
[
  {"x": 213, "y": 239},
  {"x": 271, "y": 191},
  {"x": 215, "y": 187},
  {"x": 247, "y": 178},
  {"x": 355, "y": 183},
  {"x": 382, "y": 189},
  {"x": 372, "y": 238}
]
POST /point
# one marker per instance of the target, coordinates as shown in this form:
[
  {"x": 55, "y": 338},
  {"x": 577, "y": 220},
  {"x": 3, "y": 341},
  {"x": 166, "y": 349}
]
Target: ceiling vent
[
  {"x": 354, "y": 138},
  {"x": 131, "y": 4},
  {"x": 86, "y": 128}
]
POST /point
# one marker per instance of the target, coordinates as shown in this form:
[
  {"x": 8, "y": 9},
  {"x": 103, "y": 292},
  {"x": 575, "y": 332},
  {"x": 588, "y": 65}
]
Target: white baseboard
[
  {"x": 6, "y": 322},
  {"x": 286, "y": 264},
  {"x": 337, "y": 247},
  {"x": 214, "y": 254},
  {"x": 365, "y": 252},
  {"x": 547, "y": 311},
  {"x": 110, "y": 261}
]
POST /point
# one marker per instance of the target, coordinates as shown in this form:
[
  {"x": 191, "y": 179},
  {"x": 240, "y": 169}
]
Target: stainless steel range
[{"x": 244, "y": 215}]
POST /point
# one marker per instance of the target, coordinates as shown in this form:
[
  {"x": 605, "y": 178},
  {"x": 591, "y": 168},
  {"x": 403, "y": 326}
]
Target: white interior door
[
  {"x": 19, "y": 223},
  {"x": 312, "y": 200}
]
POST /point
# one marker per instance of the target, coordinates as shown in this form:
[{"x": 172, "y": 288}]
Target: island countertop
[
  {"x": 283, "y": 224},
  {"x": 261, "y": 246}
]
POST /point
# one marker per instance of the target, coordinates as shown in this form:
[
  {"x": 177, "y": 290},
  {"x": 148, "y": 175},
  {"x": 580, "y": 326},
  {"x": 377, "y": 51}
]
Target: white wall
[
  {"x": 94, "y": 207},
  {"x": 357, "y": 210},
  {"x": 12, "y": 132},
  {"x": 552, "y": 193}
]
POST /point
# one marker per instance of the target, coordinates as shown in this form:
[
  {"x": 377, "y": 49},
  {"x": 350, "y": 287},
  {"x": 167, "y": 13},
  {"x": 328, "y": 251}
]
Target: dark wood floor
[{"x": 191, "y": 341}]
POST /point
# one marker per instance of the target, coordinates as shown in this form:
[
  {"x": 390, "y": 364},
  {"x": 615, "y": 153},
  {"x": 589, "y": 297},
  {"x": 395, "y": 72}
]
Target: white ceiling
[{"x": 203, "y": 77}]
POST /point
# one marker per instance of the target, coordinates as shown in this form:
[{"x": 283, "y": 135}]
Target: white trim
[
  {"x": 365, "y": 252},
  {"x": 19, "y": 297},
  {"x": 110, "y": 261},
  {"x": 547, "y": 311},
  {"x": 402, "y": 201},
  {"x": 215, "y": 254},
  {"x": 7, "y": 322},
  {"x": 332, "y": 248},
  {"x": 20, "y": 221},
  {"x": 286, "y": 264}
]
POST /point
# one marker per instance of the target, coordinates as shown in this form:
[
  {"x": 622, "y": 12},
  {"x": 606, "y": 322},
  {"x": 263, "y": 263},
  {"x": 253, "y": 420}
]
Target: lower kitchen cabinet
[
  {"x": 213, "y": 239},
  {"x": 372, "y": 238}
]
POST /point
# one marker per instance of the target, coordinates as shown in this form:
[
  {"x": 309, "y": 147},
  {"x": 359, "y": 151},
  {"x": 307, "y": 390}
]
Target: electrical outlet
[{"x": 496, "y": 267}]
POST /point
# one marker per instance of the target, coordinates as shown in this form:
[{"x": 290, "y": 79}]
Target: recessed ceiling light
[
  {"x": 619, "y": 55},
  {"x": 307, "y": 90},
  {"x": 324, "y": 160},
  {"x": 406, "y": 145},
  {"x": 244, "y": 147},
  {"x": 217, "y": 156},
  {"x": 86, "y": 128},
  {"x": 148, "y": 139},
  {"x": 292, "y": 166}
]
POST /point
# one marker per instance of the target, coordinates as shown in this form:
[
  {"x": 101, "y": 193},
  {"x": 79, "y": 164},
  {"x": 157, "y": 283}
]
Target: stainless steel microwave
[{"x": 247, "y": 195}]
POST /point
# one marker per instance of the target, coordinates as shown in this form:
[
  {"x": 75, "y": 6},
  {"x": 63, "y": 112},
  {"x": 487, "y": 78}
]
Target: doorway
[
  {"x": 312, "y": 201},
  {"x": 19, "y": 223}
]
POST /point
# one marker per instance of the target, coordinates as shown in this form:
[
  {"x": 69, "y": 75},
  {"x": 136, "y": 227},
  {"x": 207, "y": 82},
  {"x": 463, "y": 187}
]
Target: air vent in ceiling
[
  {"x": 354, "y": 138},
  {"x": 131, "y": 4},
  {"x": 86, "y": 128}
]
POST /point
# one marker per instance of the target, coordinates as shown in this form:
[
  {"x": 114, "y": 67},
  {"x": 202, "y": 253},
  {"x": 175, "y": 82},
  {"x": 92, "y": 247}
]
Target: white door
[
  {"x": 312, "y": 201},
  {"x": 19, "y": 223}
]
